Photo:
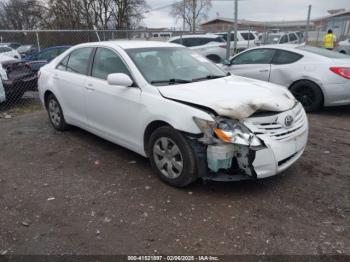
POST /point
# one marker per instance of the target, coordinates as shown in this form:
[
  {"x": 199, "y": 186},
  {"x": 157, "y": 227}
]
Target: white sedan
[
  {"x": 174, "y": 106},
  {"x": 317, "y": 77},
  {"x": 8, "y": 51}
]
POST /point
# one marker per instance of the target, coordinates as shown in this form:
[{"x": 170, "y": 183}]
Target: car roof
[
  {"x": 130, "y": 44},
  {"x": 196, "y": 36},
  {"x": 287, "y": 47}
]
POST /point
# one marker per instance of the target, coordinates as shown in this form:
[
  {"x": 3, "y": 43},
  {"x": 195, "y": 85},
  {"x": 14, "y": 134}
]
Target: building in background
[{"x": 338, "y": 20}]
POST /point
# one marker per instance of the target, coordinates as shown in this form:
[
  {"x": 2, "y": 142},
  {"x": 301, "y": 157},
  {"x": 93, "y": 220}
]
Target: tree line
[
  {"x": 71, "y": 14},
  {"x": 92, "y": 14}
]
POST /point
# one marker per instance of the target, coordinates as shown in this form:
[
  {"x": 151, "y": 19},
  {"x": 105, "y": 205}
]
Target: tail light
[
  {"x": 223, "y": 46},
  {"x": 342, "y": 71}
]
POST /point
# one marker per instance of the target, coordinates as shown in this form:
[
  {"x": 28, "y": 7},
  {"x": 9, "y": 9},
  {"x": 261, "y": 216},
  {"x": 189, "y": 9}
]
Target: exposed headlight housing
[{"x": 228, "y": 131}]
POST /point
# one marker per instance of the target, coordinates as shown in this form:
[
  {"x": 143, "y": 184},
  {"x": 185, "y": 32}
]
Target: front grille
[{"x": 275, "y": 127}]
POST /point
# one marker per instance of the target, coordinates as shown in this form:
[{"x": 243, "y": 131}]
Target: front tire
[
  {"x": 308, "y": 94},
  {"x": 55, "y": 113},
  {"x": 172, "y": 157}
]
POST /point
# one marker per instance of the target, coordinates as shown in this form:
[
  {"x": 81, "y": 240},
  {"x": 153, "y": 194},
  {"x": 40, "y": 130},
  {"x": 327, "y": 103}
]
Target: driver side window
[
  {"x": 258, "y": 56},
  {"x": 107, "y": 62}
]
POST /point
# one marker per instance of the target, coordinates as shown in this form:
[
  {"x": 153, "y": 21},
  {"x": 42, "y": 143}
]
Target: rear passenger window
[
  {"x": 107, "y": 62},
  {"x": 284, "y": 39},
  {"x": 189, "y": 42},
  {"x": 292, "y": 37},
  {"x": 79, "y": 60},
  {"x": 248, "y": 36},
  {"x": 284, "y": 57},
  {"x": 204, "y": 41}
]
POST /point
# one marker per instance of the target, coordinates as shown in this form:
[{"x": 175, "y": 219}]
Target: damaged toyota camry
[{"x": 177, "y": 108}]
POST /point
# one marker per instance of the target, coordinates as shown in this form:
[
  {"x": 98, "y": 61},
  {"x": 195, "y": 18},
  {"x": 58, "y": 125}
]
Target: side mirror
[{"x": 119, "y": 79}]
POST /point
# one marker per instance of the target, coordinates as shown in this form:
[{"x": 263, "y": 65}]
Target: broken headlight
[{"x": 227, "y": 130}]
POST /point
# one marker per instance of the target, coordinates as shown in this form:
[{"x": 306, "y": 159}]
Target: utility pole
[
  {"x": 194, "y": 16},
  {"x": 183, "y": 17},
  {"x": 236, "y": 27},
  {"x": 308, "y": 25}
]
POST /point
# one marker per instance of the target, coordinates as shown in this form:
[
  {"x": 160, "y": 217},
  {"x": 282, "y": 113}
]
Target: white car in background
[
  {"x": 210, "y": 46},
  {"x": 317, "y": 77},
  {"x": 2, "y": 92},
  {"x": 8, "y": 51},
  {"x": 245, "y": 39},
  {"x": 283, "y": 38},
  {"x": 343, "y": 47},
  {"x": 168, "y": 103}
]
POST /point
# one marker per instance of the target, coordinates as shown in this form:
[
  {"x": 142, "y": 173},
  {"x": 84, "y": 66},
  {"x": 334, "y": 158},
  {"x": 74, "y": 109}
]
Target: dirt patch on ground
[{"x": 74, "y": 193}]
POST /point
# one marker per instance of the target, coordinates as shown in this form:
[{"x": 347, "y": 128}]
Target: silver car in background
[{"x": 317, "y": 77}]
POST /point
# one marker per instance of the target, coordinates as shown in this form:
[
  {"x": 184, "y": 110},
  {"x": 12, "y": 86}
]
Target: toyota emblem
[{"x": 288, "y": 121}]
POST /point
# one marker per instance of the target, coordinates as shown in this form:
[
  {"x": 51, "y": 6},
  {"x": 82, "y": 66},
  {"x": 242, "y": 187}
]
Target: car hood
[{"x": 235, "y": 97}]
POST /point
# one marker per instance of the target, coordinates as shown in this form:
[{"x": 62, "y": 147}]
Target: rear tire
[
  {"x": 171, "y": 157},
  {"x": 308, "y": 94},
  {"x": 55, "y": 113}
]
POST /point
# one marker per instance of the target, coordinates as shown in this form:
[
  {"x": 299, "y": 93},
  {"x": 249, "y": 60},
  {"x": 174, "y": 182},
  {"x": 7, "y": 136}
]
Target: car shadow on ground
[{"x": 200, "y": 186}]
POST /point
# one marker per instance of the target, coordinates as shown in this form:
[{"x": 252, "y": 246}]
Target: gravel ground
[{"x": 74, "y": 193}]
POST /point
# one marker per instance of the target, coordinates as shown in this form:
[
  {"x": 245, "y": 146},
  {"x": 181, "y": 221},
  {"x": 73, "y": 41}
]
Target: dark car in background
[
  {"x": 26, "y": 50},
  {"x": 17, "y": 78},
  {"x": 41, "y": 58}
]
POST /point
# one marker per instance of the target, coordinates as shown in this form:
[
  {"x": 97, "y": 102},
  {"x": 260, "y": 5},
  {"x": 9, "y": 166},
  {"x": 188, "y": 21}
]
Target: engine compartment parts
[{"x": 220, "y": 156}]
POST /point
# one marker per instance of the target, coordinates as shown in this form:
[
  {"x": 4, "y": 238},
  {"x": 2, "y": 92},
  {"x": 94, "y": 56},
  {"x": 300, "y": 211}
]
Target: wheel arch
[
  {"x": 214, "y": 56},
  {"x": 46, "y": 96},
  {"x": 311, "y": 81},
  {"x": 151, "y": 127}
]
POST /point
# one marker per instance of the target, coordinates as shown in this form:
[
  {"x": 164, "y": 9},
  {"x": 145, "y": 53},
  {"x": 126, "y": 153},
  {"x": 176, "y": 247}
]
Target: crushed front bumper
[{"x": 283, "y": 146}]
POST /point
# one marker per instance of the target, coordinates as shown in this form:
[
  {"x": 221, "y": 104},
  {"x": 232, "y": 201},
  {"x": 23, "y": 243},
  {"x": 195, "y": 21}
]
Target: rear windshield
[{"x": 322, "y": 52}]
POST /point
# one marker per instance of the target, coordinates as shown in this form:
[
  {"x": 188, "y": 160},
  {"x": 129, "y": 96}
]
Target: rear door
[
  {"x": 70, "y": 79},
  {"x": 253, "y": 64},
  {"x": 284, "y": 68}
]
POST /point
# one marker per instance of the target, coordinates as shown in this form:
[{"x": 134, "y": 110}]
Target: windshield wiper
[
  {"x": 171, "y": 81},
  {"x": 209, "y": 77}
]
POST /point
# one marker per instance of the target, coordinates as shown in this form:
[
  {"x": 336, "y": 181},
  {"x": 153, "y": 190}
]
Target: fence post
[
  {"x": 228, "y": 47},
  {"x": 37, "y": 40}
]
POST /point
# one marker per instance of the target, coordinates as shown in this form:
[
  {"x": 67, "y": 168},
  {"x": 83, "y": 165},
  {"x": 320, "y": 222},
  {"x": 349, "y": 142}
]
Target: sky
[{"x": 258, "y": 10}]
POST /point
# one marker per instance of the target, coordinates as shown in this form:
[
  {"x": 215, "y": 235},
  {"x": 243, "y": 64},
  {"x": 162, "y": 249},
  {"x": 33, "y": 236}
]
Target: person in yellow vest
[{"x": 329, "y": 40}]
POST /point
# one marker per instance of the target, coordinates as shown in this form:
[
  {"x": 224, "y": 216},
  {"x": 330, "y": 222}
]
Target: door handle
[
  {"x": 90, "y": 87},
  {"x": 264, "y": 70},
  {"x": 55, "y": 76}
]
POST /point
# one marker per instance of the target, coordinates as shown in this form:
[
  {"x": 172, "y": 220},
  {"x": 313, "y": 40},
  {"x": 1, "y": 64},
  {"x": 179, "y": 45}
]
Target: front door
[
  {"x": 113, "y": 111},
  {"x": 253, "y": 64}
]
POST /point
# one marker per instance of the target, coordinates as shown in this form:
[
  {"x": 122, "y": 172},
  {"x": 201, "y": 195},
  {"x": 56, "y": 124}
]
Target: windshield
[
  {"x": 322, "y": 52},
  {"x": 273, "y": 39},
  {"x": 173, "y": 65}
]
